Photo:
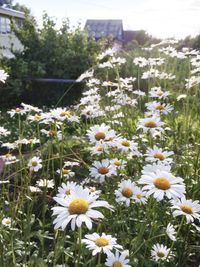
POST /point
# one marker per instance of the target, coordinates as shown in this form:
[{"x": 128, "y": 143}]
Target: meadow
[{"x": 113, "y": 180}]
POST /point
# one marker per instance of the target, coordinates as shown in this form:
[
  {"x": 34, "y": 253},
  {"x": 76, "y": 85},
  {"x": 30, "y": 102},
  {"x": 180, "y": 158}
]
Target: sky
[{"x": 160, "y": 18}]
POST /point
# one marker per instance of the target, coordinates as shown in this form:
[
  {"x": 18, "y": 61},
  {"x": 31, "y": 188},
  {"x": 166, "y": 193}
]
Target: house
[
  {"x": 8, "y": 40},
  {"x": 99, "y": 28}
]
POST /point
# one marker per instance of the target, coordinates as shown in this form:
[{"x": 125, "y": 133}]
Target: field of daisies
[{"x": 113, "y": 180}]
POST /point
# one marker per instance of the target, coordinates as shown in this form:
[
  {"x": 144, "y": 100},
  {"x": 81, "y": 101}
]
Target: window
[
  {"x": 4, "y": 25},
  {"x": 18, "y": 22}
]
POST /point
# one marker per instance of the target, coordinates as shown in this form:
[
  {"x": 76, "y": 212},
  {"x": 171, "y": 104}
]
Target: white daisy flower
[
  {"x": 117, "y": 61},
  {"x": 156, "y": 61},
  {"x": 105, "y": 65},
  {"x": 34, "y": 189},
  {"x": 125, "y": 192},
  {"x": 30, "y": 108},
  {"x": 66, "y": 189},
  {"x": 160, "y": 252},
  {"x": 118, "y": 259},
  {"x": 7, "y": 222},
  {"x": 52, "y": 134},
  {"x": 159, "y": 108},
  {"x": 140, "y": 196},
  {"x": 139, "y": 93},
  {"x": 170, "y": 231},
  {"x": 161, "y": 183},
  {"x": 34, "y": 164},
  {"x": 100, "y": 243},
  {"x": 126, "y": 145},
  {"x": 60, "y": 114},
  {"x": 188, "y": 208},
  {"x": 99, "y": 149},
  {"x": 152, "y": 73},
  {"x": 192, "y": 82},
  {"x": 101, "y": 133},
  {"x": 102, "y": 169},
  {"x": 86, "y": 74},
  {"x": 140, "y": 61},
  {"x": 36, "y": 117},
  {"x": 25, "y": 141},
  {"x": 71, "y": 163},
  {"x": 45, "y": 183},
  {"x": 156, "y": 92},
  {"x": 4, "y": 132},
  {"x": 152, "y": 124},
  {"x": 183, "y": 96},
  {"x": 108, "y": 52},
  {"x": 9, "y": 159},
  {"x": 156, "y": 154},
  {"x": 3, "y": 76},
  {"x": 19, "y": 111},
  {"x": 66, "y": 172},
  {"x": 78, "y": 207},
  {"x": 119, "y": 163},
  {"x": 156, "y": 166},
  {"x": 9, "y": 145}
]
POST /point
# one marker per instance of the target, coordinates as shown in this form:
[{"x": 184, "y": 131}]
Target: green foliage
[
  {"x": 48, "y": 53},
  {"x": 192, "y": 42}
]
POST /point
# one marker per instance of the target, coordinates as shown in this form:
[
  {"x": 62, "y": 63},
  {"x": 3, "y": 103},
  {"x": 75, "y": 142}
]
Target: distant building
[
  {"x": 99, "y": 28},
  {"x": 8, "y": 40}
]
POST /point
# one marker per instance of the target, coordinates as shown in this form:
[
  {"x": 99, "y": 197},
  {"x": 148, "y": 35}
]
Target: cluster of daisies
[
  {"x": 107, "y": 107},
  {"x": 78, "y": 205}
]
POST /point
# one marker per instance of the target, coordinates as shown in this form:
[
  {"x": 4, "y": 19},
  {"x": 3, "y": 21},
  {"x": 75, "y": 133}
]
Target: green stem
[{"x": 79, "y": 246}]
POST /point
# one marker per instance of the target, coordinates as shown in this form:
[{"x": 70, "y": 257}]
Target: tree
[{"x": 49, "y": 52}]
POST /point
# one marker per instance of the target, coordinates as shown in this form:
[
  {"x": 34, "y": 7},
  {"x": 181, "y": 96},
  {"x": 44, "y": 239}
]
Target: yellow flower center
[
  {"x": 92, "y": 189},
  {"x": 52, "y": 133},
  {"x": 101, "y": 242},
  {"x": 67, "y": 192},
  {"x": 160, "y": 254},
  {"x": 66, "y": 171},
  {"x": 18, "y": 109},
  {"x": 117, "y": 163},
  {"x": 65, "y": 114},
  {"x": 139, "y": 196},
  {"x": 150, "y": 124},
  {"x": 38, "y": 117},
  {"x": 160, "y": 107},
  {"x": 78, "y": 206},
  {"x": 8, "y": 222},
  {"x": 127, "y": 192},
  {"x": 186, "y": 208},
  {"x": 103, "y": 170},
  {"x": 100, "y": 149},
  {"x": 34, "y": 163},
  {"x": 162, "y": 183},
  {"x": 125, "y": 143},
  {"x": 159, "y": 156},
  {"x": 160, "y": 93},
  {"x": 194, "y": 83},
  {"x": 8, "y": 155},
  {"x": 117, "y": 264},
  {"x": 100, "y": 136}
]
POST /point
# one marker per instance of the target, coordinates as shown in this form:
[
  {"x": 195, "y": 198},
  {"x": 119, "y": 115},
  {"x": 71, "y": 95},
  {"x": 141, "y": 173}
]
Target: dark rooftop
[{"x": 104, "y": 28}]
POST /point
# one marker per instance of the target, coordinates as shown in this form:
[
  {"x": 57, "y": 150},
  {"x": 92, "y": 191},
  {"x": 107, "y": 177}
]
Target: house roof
[
  {"x": 11, "y": 13},
  {"x": 104, "y": 28}
]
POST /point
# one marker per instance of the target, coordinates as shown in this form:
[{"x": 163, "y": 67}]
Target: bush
[{"x": 48, "y": 53}]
